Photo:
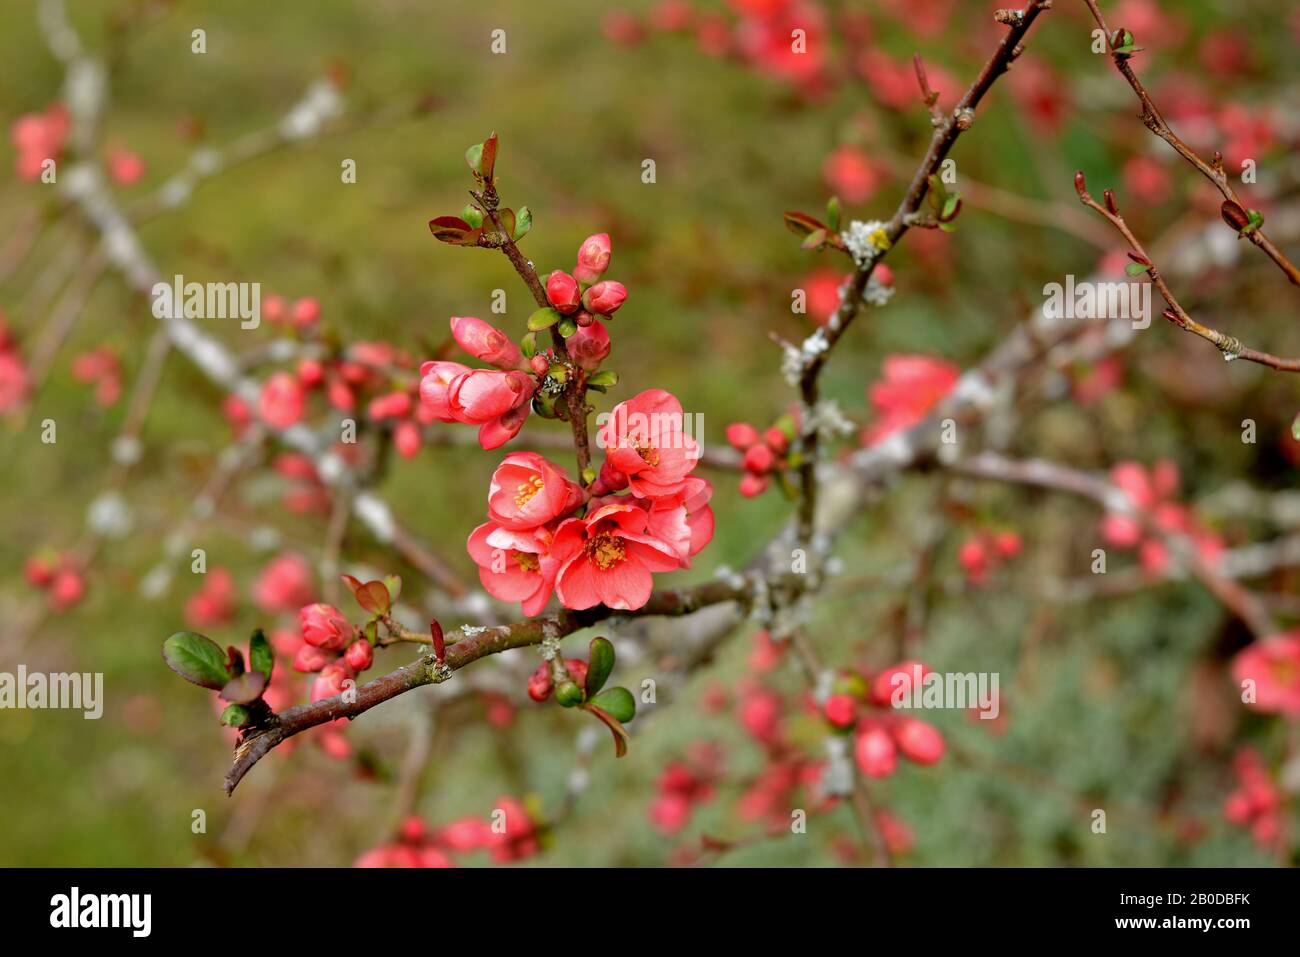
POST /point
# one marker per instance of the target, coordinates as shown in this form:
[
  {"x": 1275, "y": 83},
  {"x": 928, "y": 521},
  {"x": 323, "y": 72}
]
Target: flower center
[
  {"x": 526, "y": 561},
  {"x": 649, "y": 454},
  {"x": 527, "y": 490},
  {"x": 606, "y": 550}
]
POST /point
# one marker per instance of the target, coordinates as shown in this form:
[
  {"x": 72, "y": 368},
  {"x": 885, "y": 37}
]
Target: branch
[
  {"x": 256, "y": 742},
  {"x": 1230, "y": 346},
  {"x": 945, "y": 135},
  {"x": 1214, "y": 172}
]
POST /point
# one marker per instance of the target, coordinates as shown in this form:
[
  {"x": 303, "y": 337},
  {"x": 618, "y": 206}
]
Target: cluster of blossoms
[
  {"x": 881, "y": 733},
  {"x": 764, "y": 455},
  {"x": 1151, "y": 497},
  {"x": 682, "y": 785},
  {"x": 14, "y": 379},
  {"x": 60, "y": 577},
  {"x": 583, "y": 294},
  {"x": 511, "y": 835},
  {"x": 545, "y": 534},
  {"x": 100, "y": 368},
  {"x": 982, "y": 553},
  {"x": 1257, "y": 802},
  {"x": 911, "y": 387}
]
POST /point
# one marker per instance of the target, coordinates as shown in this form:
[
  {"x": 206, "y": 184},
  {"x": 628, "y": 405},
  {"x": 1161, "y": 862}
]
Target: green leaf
[
  {"x": 394, "y": 585},
  {"x": 474, "y": 157},
  {"x": 605, "y": 377},
  {"x": 472, "y": 215},
  {"x": 523, "y": 223},
  {"x": 260, "y": 656},
  {"x": 245, "y": 689},
  {"x": 833, "y": 213},
  {"x": 616, "y": 729},
  {"x": 197, "y": 659},
  {"x": 618, "y": 702},
  {"x": 1295, "y": 429},
  {"x": 1137, "y": 269},
  {"x": 543, "y": 319},
  {"x": 600, "y": 662},
  {"x": 236, "y": 716},
  {"x": 507, "y": 219},
  {"x": 568, "y": 694},
  {"x": 950, "y": 206},
  {"x": 567, "y": 327},
  {"x": 528, "y": 345},
  {"x": 815, "y": 239}
]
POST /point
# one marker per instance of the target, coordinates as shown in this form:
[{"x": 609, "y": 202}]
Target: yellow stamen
[{"x": 606, "y": 551}]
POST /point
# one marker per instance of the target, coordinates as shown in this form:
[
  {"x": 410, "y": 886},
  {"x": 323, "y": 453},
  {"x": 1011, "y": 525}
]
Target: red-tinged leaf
[
  {"x": 487, "y": 164},
  {"x": 245, "y": 689},
  {"x": 801, "y": 224},
  {"x": 507, "y": 217},
  {"x": 373, "y": 597},
  {"x": 234, "y": 661},
  {"x": 450, "y": 229},
  {"x": 439, "y": 645},
  {"x": 353, "y": 584},
  {"x": 617, "y": 730}
]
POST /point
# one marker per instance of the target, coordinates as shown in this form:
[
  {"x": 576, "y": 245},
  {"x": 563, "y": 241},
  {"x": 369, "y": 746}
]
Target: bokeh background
[{"x": 1122, "y": 703}]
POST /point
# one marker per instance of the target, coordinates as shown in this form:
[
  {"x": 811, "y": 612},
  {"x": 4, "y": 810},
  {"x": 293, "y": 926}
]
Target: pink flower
[
  {"x": 39, "y": 137},
  {"x": 514, "y": 566},
  {"x": 875, "y": 751},
  {"x": 305, "y": 311},
  {"x": 1273, "y": 665},
  {"x": 608, "y": 558},
  {"x": 912, "y": 386},
  {"x": 214, "y": 603},
  {"x": 643, "y": 440},
  {"x": 126, "y": 168},
  {"x": 589, "y": 346},
  {"x": 516, "y": 838},
  {"x": 282, "y": 401},
  {"x": 331, "y": 681},
  {"x": 849, "y": 174},
  {"x": 323, "y": 626},
  {"x": 495, "y": 400},
  {"x": 284, "y": 585},
  {"x": 604, "y": 298},
  {"x": 486, "y": 343},
  {"x": 562, "y": 291},
  {"x": 593, "y": 258},
  {"x": 527, "y": 491},
  {"x": 14, "y": 382},
  {"x": 309, "y": 658}
]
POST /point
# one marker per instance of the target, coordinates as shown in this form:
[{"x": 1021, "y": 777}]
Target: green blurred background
[{"x": 1120, "y": 704}]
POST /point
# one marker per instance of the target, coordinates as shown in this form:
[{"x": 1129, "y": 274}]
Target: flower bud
[
  {"x": 593, "y": 258},
  {"x": 759, "y": 459},
  {"x": 311, "y": 373},
  {"x": 539, "y": 364},
  {"x": 485, "y": 342},
  {"x": 568, "y": 694},
  {"x": 776, "y": 440},
  {"x": 741, "y": 435},
  {"x": 324, "y": 626},
  {"x": 562, "y": 291},
  {"x": 360, "y": 655},
  {"x": 918, "y": 741},
  {"x": 330, "y": 681},
  {"x": 605, "y": 297},
  {"x": 577, "y": 669},
  {"x": 282, "y": 401},
  {"x": 839, "y": 710},
  {"x": 589, "y": 346},
  {"x": 305, "y": 311},
  {"x": 875, "y": 752},
  {"x": 752, "y": 485},
  {"x": 310, "y": 658},
  {"x": 540, "y": 684}
]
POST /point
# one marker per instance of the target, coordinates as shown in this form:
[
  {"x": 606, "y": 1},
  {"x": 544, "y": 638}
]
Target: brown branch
[
  {"x": 575, "y": 388},
  {"x": 257, "y": 741},
  {"x": 1214, "y": 172},
  {"x": 1230, "y": 346},
  {"x": 945, "y": 135}
]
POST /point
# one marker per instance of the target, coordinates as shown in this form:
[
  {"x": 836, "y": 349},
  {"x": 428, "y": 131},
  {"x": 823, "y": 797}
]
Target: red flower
[
  {"x": 1273, "y": 664},
  {"x": 284, "y": 585},
  {"x": 527, "y": 491},
  {"x": 643, "y": 439},
  {"x": 912, "y": 386},
  {"x": 514, "y": 565},
  {"x": 608, "y": 558}
]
